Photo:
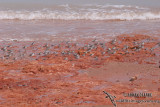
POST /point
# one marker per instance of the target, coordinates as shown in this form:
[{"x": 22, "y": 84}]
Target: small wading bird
[
  {"x": 113, "y": 41},
  {"x": 133, "y": 78}
]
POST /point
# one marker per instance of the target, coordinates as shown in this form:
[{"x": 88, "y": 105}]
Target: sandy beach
[
  {"x": 70, "y": 74},
  {"x": 80, "y": 53}
]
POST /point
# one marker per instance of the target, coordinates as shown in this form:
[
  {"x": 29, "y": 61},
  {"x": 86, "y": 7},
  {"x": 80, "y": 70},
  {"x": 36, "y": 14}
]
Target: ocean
[{"x": 77, "y": 19}]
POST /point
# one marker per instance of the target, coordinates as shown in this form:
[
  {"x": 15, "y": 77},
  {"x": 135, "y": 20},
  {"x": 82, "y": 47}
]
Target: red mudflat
[{"x": 70, "y": 74}]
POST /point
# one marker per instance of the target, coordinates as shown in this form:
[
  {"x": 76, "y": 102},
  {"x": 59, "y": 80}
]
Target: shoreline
[{"x": 67, "y": 73}]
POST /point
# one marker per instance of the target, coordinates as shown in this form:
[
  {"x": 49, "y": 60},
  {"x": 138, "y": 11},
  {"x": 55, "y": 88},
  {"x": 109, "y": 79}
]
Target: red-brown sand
[{"x": 79, "y": 78}]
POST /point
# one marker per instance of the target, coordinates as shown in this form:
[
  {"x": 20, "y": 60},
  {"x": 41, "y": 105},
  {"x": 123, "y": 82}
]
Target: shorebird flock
[{"x": 70, "y": 50}]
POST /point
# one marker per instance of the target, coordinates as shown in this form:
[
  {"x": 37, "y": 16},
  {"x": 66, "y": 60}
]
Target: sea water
[{"x": 31, "y": 20}]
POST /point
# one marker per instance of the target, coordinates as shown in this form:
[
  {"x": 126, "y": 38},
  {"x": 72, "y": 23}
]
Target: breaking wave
[{"x": 87, "y": 12}]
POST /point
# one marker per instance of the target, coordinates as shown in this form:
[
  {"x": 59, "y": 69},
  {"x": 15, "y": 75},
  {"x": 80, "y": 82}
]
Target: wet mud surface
[{"x": 42, "y": 74}]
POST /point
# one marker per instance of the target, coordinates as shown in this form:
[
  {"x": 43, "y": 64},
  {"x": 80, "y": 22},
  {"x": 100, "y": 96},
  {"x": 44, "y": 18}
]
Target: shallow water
[
  {"x": 77, "y": 20},
  {"x": 74, "y": 30}
]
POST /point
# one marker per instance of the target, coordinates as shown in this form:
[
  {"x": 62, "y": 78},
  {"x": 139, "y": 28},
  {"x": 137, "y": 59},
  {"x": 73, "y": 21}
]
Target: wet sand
[
  {"x": 76, "y": 74},
  {"x": 122, "y": 72}
]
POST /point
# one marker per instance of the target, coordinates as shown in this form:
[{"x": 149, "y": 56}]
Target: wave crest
[{"x": 66, "y": 12}]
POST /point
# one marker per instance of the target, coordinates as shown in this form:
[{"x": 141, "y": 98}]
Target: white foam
[{"x": 87, "y": 12}]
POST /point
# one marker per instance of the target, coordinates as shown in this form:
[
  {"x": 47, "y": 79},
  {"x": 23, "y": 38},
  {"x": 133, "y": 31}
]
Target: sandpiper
[
  {"x": 113, "y": 41},
  {"x": 32, "y": 43},
  {"x": 133, "y": 78},
  {"x": 32, "y": 54},
  {"x": 91, "y": 54},
  {"x": 77, "y": 56},
  {"x": 94, "y": 40},
  {"x": 125, "y": 47},
  {"x": 4, "y": 49},
  {"x": 24, "y": 47},
  {"x": 114, "y": 48},
  {"x": 103, "y": 53},
  {"x": 65, "y": 58}
]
